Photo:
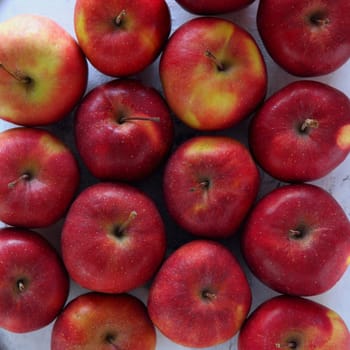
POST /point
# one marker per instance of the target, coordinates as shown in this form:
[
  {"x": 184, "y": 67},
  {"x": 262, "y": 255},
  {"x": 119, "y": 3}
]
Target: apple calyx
[
  {"x": 23, "y": 177},
  {"x": 309, "y": 123},
  {"x": 208, "y": 295},
  {"x": 119, "y": 230},
  {"x": 17, "y": 75},
  {"x": 120, "y": 18},
  {"x": 219, "y": 65},
  {"x": 124, "y": 119}
]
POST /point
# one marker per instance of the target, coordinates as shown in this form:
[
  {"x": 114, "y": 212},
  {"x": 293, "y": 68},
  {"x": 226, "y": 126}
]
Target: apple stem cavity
[
  {"x": 21, "y": 286},
  {"x": 203, "y": 185},
  {"x": 119, "y": 19},
  {"x": 291, "y": 345},
  {"x": 18, "y": 76},
  {"x": 309, "y": 123},
  {"x": 207, "y": 295},
  {"x": 111, "y": 340},
  {"x": 319, "y": 19},
  {"x": 219, "y": 65},
  {"x": 23, "y": 177}
]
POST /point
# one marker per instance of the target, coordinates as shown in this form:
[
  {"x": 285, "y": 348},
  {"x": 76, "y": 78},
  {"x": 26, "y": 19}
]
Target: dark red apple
[
  {"x": 113, "y": 238},
  {"x": 297, "y": 240},
  {"x": 102, "y": 321},
  {"x": 207, "y": 178},
  {"x": 34, "y": 283},
  {"x": 212, "y": 73},
  {"x": 39, "y": 177},
  {"x": 123, "y": 130},
  {"x": 302, "y": 132},
  {"x": 121, "y": 37},
  {"x": 306, "y": 38},
  {"x": 294, "y": 323},
  {"x": 211, "y": 7},
  {"x": 200, "y": 296}
]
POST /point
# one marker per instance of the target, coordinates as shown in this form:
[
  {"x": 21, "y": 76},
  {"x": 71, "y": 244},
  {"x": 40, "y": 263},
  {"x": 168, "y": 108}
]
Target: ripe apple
[
  {"x": 34, "y": 283},
  {"x": 306, "y": 38},
  {"x": 212, "y": 73},
  {"x": 297, "y": 240},
  {"x": 293, "y": 323},
  {"x": 210, "y": 177},
  {"x": 121, "y": 37},
  {"x": 302, "y": 132},
  {"x": 123, "y": 130},
  {"x": 39, "y": 177},
  {"x": 113, "y": 238},
  {"x": 43, "y": 72},
  {"x": 212, "y": 7},
  {"x": 102, "y": 321},
  {"x": 200, "y": 296}
]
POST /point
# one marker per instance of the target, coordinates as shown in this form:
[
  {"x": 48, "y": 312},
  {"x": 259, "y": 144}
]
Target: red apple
[
  {"x": 302, "y": 132},
  {"x": 200, "y": 296},
  {"x": 121, "y": 37},
  {"x": 34, "y": 284},
  {"x": 123, "y": 130},
  {"x": 39, "y": 177},
  {"x": 306, "y": 38},
  {"x": 293, "y": 323},
  {"x": 113, "y": 238},
  {"x": 211, "y": 7},
  {"x": 43, "y": 72},
  {"x": 210, "y": 177},
  {"x": 101, "y": 321},
  {"x": 297, "y": 240},
  {"x": 212, "y": 72}
]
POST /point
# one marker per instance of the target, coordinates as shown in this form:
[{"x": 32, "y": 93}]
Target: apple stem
[
  {"x": 120, "y": 17},
  {"x": 19, "y": 77},
  {"x": 110, "y": 339},
  {"x": 203, "y": 185},
  {"x": 23, "y": 177},
  {"x": 309, "y": 123},
  {"x": 220, "y": 66},
  {"x": 290, "y": 345},
  {"x": 208, "y": 295},
  {"x": 126, "y": 119},
  {"x": 127, "y": 222}
]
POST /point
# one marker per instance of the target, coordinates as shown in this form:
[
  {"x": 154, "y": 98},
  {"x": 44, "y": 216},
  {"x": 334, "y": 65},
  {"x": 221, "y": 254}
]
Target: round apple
[
  {"x": 302, "y": 132},
  {"x": 123, "y": 130},
  {"x": 306, "y": 38},
  {"x": 293, "y": 323},
  {"x": 297, "y": 240},
  {"x": 113, "y": 238},
  {"x": 102, "y": 321},
  {"x": 39, "y": 177},
  {"x": 213, "y": 74},
  {"x": 34, "y": 283},
  {"x": 121, "y": 37},
  {"x": 212, "y": 7},
  {"x": 43, "y": 72},
  {"x": 200, "y": 296},
  {"x": 210, "y": 177}
]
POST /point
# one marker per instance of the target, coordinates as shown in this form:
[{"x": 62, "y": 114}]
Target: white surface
[{"x": 337, "y": 182}]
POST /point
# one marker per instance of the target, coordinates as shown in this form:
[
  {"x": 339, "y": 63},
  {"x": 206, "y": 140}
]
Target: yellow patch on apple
[
  {"x": 337, "y": 329},
  {"x": 343, "y": 137},
  {"x": 80, "y": 28},
  {"x": 51, "y": 146}
]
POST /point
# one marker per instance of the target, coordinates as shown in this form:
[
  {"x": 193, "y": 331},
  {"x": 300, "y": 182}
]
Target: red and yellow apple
[
  {"x": 212, "y": 73},
  {"x": 43, "y": 72}
]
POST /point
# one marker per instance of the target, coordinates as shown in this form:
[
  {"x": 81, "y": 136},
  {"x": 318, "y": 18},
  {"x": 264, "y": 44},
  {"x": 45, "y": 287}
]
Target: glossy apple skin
[
  {"x": 302, "y": 264},
  {"x": 290, "y": 154},
  {"x": 37, "y": 47},
  {"x": 200, "y": 296},
  {"x": 210, "y": 177},
  {"x": 128, "y": 48},
  {"x": 98, "y": 321},
  {"x": 27, "y": 258},
  {"x": 53, "y": 177},
  {"x": 98, "y": 253},
  {"x": 113, "y": 149},
  {"x": 292, "y": 320},
  {"x": 212, "y": 7},
  {"x": 296, "y": 42},
  {"x": 201, "y": 95}
]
